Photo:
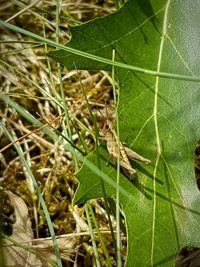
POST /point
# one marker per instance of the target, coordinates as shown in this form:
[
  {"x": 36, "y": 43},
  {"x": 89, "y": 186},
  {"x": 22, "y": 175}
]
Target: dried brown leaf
[
  {"x": 15, "y": 252},
  {"x": 26, "y": 251}
]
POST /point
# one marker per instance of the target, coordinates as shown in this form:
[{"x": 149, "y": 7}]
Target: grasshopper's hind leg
[{"x": 133, "y": 155}]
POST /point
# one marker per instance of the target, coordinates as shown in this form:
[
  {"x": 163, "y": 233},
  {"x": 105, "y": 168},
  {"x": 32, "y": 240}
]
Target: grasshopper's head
[
  {"x": 105, "y": 118},
  {"x": 106, "y": 133}
]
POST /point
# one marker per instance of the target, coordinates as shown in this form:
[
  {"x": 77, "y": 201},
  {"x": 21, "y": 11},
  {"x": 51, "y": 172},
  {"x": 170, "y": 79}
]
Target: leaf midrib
[{"x": 155, "y": 114}]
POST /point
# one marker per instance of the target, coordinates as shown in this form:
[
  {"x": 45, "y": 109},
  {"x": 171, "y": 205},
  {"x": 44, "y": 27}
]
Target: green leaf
[{"x": 159, "y": 119}]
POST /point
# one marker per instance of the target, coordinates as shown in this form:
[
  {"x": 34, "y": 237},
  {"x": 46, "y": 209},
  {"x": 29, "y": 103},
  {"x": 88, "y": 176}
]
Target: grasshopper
[{"x": 108, "y": 133}]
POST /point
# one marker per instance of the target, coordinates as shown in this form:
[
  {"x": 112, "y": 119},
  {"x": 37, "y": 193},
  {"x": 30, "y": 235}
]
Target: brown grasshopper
[{"x": 108, "y": 133}]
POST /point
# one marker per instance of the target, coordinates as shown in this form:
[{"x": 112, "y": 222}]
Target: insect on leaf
[
  {"x": 111, "y": 138},
  {"x": 159, "y": 117}
]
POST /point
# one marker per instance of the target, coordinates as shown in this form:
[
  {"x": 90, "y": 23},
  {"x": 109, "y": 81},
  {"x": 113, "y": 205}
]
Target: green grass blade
[
  {"x": 108, "y": 261},
  {"x": 29, "y": 117},
  {"x": 92, "y": 236},
  {"x": 99, "y": 59},
  {"x": 41, "y": 199}
]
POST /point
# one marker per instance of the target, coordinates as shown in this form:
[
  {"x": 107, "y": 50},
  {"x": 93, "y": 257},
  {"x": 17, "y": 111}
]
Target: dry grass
[{"x": 52, "y": 165}]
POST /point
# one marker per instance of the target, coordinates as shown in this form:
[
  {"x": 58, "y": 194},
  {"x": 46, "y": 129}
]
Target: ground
[{"x": 31, "y": 80}]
